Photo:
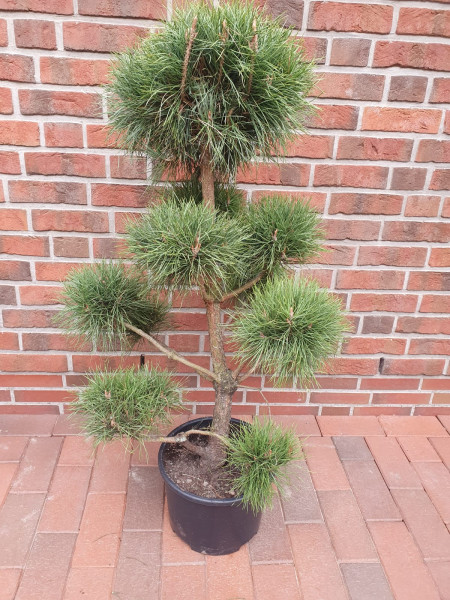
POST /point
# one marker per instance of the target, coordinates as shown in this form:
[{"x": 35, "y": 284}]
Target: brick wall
[{"x": 374, "y": 164}]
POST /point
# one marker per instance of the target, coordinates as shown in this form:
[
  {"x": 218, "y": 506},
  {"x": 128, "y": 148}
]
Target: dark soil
[{"x": 194, "y": 475}]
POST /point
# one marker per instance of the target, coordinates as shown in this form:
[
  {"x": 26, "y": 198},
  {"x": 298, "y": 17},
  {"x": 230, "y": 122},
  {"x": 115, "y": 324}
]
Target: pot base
[{"x": 208, "y": 525}]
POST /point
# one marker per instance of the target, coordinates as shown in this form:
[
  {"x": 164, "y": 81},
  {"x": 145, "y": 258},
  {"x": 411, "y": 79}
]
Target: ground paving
[{"x": 366, "y": 517}]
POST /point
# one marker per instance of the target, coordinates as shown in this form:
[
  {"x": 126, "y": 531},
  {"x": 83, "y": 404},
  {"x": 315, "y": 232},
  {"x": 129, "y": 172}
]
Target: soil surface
[{"x": 194, "y": 475}]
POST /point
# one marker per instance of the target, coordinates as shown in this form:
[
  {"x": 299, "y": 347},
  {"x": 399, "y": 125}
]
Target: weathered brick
[
  {"x": 24, "y": 244},
  {"x": 441, "y": 90},
  {"x": 366, "y": 581},
  {"x": 334, "y": 16},
  {"x": 71, "y": 247},
  {"x": 407, "y": 178},
  {"x": 15, "y": 270},
  {"x": 138, "y": 565},
  {"x": 407, "y": 88},
  {"x": 17, "y": 68},
  {"x": 384, "y": 302},
  {"x": 100, "y": 37},
  {"x": 423, "y": 21},
  {"x": 100, "y": 136},
  {"x": 10, "y": 163},
  {"x": 125, "y": 167},
  {"x": 412, "y": 54},
  {"x": 428, "y": 325},
  {"x": 416, "y": 231},
  {"x": 315, "y": 48},
  {"x": 19, "y": 133},
  {"x": 74, "y": 71},
  {"x": 429, "y": 346},
  {"x": 392, "y": 256},
  {"x": 37, "y": 465},
  {"x": 369, "y": 280},
  {"x": 423, "y": 280},
  {"x": 65, "y": 163},
  {"x": 6, "y": 106},
  {"x": 311, "y": 146},
  {"x": 60, "y": 7},
  {"x": 140, "y": 9},
  {"x": 372, "y": 148},
  {"x": 52, "y": 192},
  {"x": 365, "y": 204},
  {"x": 3, "y": 33},
  {"x": 350, "y": 176},
  {"x": 440, "y": 180},
  {"x": 12, "y": 219},
  {"x": 335, "y": 117},
  {"x": 422, "y": 206},
  {"x": 366, "y": 345},
  {"x": 44, "y": 102},
  {"x": 46, "y": 271},
  {"x": 349, "y": 86},
  {"x": 350, "y": 52},
  {"x": 418, "y": 120},
  {"x": 439, "y": 257},
  {"x": 413, "y": 366},
  {"x": 105, "y": 194},
  {"x": 35, "y": 34},
  {"x": 58, "y": 220},
  {"x": 435, "y": 304}
]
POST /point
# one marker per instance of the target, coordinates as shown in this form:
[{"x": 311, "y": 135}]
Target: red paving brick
[
  {"x": 408, "y": 576},
  {"x": 419, "y": 449},
  {"x": 70, "y": 424},
  {"x": 348, "y": 531},
  {"x": 275, "y": 581},
  {"x": 445, "y": 420},
  {"x": 303, "y": 425},
  {"x": 11, "y": 448},
  {"x": 392, "y": 462},
  {"x": 95, "y": 525},
  {"x": 427, "y": 426},
  {"x": 331, "y": 425},
  {"x": 315, "y": 562},
  {"x": 47, "y": 567}
]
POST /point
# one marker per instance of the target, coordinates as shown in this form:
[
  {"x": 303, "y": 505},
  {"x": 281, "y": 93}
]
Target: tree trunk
[{"x": 207, "y": 178}]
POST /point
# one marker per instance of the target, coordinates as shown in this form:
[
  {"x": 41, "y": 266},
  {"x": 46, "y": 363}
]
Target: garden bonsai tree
[{"x": 212, "y": 92}]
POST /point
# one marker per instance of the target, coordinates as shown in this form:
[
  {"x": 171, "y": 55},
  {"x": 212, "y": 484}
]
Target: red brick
[
  {"x": 442, "y": 446},
  {"x": 441, "y": 575},
  {"x": 10, "y": 164},
  {"x": 228, "y": 576},
  {"x": 418, "y": 448},
  {"x": 364, "y": 176},
  {"x": 138, "y": 567},
  {"x": 363, "y": 204},
  {"x": 144, "y": 508},
  {"x": 47, "y": 567},
  {"x": 335, "y": 117},
  {"x": 349, "y": 86},
  {"x": 69, "y": 424},
  {"x": 272, "y": 542},
  {"x": 334, "y": 16},
  {"x": 436, "y": 481},
  {"x": 429, "y": 346},
  {"x": 46, "y": 271},
  {"x": 110, "y": 472},
  {"x": 98, "y": 540},
  {"x": 107, "y": 248},
  {"x": 39, "y": 294},
  {"x": 407, "y": 178},
  {"x": 9, "y": 579},
  {"x": 435, "y": 304},
  {"x": 352, "y": 366},
  {"x": 100, "y": 37},
  {"x": 324, "y": 465},
  {"x": 441, "y": 90},
  {"x": 268, "y": 580},
  {"x": 63, "y": 135},
  {"x": 338, "y": 229},
  {"x": 366, "y": 581},
  {"x": 57, "y": 220},
  {"x": 315, "y": 48},
  {"x": 33, "y": 362},
  {"x": 336, "y": 255},
  {"x": 422, "y": 280},
  {"x": 403, "y": 563},
  {"x": 18, "y": 519},
  {"x": 393, "y": 464},
  {"x": 406, "y": 88},
  {"x": 45, "y": 102},
  {"x": 15, "y": 270},
  {"x": 401, "y": 426},
  {"x": 91, "y": 582},
  {"x": 105, "y": 194},
  {"x": 422, "y": 206},
  {"x": 300, "y": 502},
  {"x": 378, "y": 280},
  {"x": 413, "y": 366},
  {"x": 16, "y": 425},
  {"x": 139, "y": 9},
  {"x": 445, "y": 420},
  {"x": 336, "y": 410},
  {"x": 24, "y": 245},
  {"x": 74, "y": 71},
  {"x": 41, "y": 396},
  {"x": 439, "y": 257},
  {"x": 423, "y": 325},
  {"x": 53, "y": 192},
  {"x": 174, "y": 578},
  {"x": 19, "y": 133},
  {"x": 7, "y": 472},
  {"x": 447, "y": 122},
  {"x": 53, "y": 163},
  {"x": 125, "y": 167},
  {"x": 416, "y": 231},
  {"x": 35, "y": 34},
  {"x": 11, "y": 449},
  {"x": 6, "y": 106},
  {"x": 17, "y": 68},
  {"x": 377, "y": 324},
  {"x": 3, "y": 33},
  {"x": 350, "y": 52},
  {"x": 60, "y": 7},
  {"x": 343, "y": 426},
  {"x": 76, "y": 451},
  {"x": 365, "y": 345},
  {"x": 28, "y": 318},
  {"x": 392, "y": 256},
  {"x": 65, "y": 502},
  {"x": 435, "y": 384},
  {"x": 71, "y": 247},
  {"x": 370, "y": 148},
  {"x": 349, "y": 534},
  {"x": 37, "y": 465},
  {"x": 423, "y": 21},
  {"x": 418, "y": 120},
  {"x": 12, "y": 220},
  {"x": 51, "y": 341},
  {"x": 440, "y": 180},
  {"x": 316, "y": 563},
  {"x": 99, "y": 136},
  {"x": 412, "y": 54},
  {"x": 433, "y": 151}
]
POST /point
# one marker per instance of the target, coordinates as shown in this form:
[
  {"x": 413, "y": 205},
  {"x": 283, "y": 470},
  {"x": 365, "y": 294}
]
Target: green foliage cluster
[
  {"x": 126, "y": 403},
  {"x": 99, "y": 299},
  {"x": 260, "y": 453},
  {"x": 289, "y": 328},
  {"x": 228, "y": 80}
]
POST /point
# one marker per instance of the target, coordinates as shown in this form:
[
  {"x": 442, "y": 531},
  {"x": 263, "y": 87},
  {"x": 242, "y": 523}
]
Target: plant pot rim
[{"x": 194, "y": 423}]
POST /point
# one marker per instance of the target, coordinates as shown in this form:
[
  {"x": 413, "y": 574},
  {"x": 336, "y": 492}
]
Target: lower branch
[
  {"x": 182, "y": 438},
  {"x": 243, "y": 288}
]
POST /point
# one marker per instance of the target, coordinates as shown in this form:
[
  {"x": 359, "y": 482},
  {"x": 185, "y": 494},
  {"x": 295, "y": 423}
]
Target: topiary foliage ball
[
  {"x": 217, "y": 83},
  {"x": 289, "y": 328},
  {"x": 187, "y": 244},
  {"x": 100, "y": 299}
]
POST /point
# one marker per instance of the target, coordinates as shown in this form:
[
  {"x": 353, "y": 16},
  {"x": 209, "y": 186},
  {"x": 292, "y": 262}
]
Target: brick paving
[{"x": 367, "y": 517}]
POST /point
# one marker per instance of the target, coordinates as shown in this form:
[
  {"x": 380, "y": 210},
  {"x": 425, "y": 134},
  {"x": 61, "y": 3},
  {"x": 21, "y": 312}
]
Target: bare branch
[
  {"x": 182, "y": 438},
  {"x": 206, "y": 373},
  {"x": 244, "y": 287}
]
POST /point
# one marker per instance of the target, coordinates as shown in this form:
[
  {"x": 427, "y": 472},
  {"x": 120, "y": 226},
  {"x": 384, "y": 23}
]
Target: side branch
[
  {"x": 206, "y": 373},
  {"x": 192, "y": 37},
  {"x": 183, "y": 437},
  {"x": 243, "y": 288}
]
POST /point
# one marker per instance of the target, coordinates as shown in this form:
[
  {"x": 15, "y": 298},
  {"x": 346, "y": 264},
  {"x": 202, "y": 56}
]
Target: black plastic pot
[{"x": 207, "y": 525}]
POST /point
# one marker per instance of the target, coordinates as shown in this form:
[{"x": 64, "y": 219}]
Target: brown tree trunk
[{"x": 207, "y": 178}]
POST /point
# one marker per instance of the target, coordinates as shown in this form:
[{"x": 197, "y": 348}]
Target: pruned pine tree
[{"x": 214, "y": 90}]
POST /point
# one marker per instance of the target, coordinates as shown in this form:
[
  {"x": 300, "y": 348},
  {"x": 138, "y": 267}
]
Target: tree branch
[
  {"x": 192, "y": 37},
  {"x": 206, "y": 373},
  {"x": 182, "y": 438},
  {"x": 244, "y": 287}
]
